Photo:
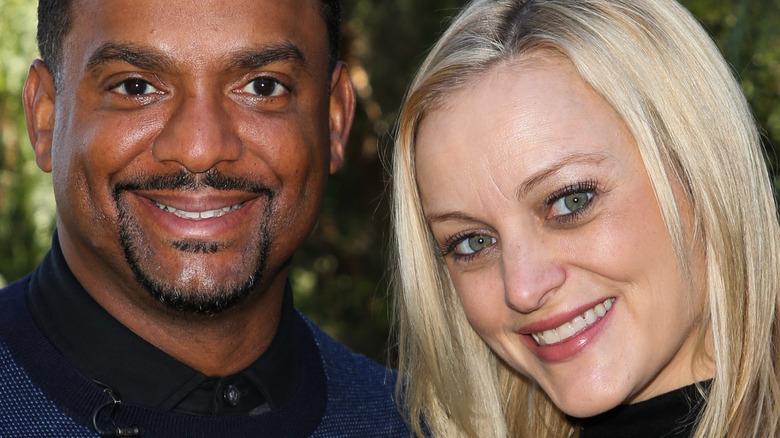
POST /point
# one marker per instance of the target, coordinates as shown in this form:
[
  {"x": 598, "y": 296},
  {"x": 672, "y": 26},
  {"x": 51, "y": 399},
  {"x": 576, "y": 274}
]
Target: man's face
[{"x": 191, "y": 144}]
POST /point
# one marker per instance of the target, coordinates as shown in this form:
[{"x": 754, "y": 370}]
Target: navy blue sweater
[{"x": 43, "y": 395}]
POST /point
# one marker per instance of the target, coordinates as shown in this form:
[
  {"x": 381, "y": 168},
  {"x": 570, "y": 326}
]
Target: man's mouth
[
  {"x": 198, "y": 215},
  {"x": 576, "y": 325}
]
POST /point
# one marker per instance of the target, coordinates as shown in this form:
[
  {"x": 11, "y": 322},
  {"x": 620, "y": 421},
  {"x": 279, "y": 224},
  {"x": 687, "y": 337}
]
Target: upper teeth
[
  {"x": 198, "y": 215},
  {"x": 576, "y": 325}
]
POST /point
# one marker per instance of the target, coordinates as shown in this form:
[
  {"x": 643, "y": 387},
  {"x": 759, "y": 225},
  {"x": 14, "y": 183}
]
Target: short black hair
[
  {"x": 331, "y": 12},
  {"x": 56, "y": 16}
]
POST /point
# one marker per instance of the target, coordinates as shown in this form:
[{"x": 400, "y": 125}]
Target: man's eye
[
  {"x": 266, "y": 87},
  {"x": 135, "y": 87},
  {"x": 571, "y": 203},
  {"x": 473, "y": 244}
]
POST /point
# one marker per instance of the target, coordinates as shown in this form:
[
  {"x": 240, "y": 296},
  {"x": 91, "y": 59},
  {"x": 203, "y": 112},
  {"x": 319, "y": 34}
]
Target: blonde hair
[{"x": 663, "y": 75}]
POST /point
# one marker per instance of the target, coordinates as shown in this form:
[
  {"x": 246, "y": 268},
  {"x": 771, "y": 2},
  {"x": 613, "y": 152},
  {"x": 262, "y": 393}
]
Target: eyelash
[
  {"x": 116, "y": 85},
  {"x": 146, "y": 97},
  {"x": 449, "y": 245},
  {"x": 589, "y": 186},
  {"x": 286, "y": 88}
]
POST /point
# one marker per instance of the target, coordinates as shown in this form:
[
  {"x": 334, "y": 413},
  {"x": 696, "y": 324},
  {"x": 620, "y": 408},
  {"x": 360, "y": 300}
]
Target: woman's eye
[
  {"x": 571, "y": 203},
  {"x": 266, "y": 87},
  {"x": 473, "y": 244},
  {"x": 135, "y": 87}
]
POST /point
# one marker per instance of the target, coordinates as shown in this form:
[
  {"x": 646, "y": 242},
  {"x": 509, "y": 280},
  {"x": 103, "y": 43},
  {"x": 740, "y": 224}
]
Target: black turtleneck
[
  {"x": 670, "y": 415},
  {"x": 108, "y": 352}
]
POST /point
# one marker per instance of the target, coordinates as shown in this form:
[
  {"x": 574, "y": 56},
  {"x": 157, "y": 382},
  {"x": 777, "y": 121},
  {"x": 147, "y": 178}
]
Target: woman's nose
[{"x": 531, "y": 274}]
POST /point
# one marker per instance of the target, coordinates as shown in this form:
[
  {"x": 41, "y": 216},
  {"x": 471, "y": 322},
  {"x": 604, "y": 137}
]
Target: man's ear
[
  {"x": 38, "y": 98},
  {"x": 342, "y": 111}
]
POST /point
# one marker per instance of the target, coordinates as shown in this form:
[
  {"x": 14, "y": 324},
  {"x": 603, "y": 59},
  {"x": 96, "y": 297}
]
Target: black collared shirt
[{"x": 108, "y": 352}]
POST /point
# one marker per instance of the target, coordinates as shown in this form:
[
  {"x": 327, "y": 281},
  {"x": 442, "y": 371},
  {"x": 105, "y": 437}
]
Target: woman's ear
[
  {"x": 342, "y": 111},
  {"x": 38, "y": 98}
]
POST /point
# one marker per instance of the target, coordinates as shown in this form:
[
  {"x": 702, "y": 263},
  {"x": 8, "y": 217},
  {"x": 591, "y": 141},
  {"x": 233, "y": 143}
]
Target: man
[{"x": 189, "y": 144}]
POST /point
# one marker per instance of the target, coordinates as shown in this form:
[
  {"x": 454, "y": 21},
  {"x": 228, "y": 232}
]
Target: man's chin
[
  {"x": 198, "y": 277},
  {"x": 198, "y": 299}
]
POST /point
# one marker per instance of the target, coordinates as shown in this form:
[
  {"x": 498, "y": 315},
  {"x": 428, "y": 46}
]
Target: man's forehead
[{"x": 204, "y": 29}]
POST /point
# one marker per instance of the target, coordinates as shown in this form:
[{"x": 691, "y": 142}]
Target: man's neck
[{"x": 216, "y": 345}]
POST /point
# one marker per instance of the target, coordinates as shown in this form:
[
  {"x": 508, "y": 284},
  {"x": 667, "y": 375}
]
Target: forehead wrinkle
[
  {"x": 462, "y": 216},
  {"x": 141, "y": 56},
  {"x": 492, "y": 169}
]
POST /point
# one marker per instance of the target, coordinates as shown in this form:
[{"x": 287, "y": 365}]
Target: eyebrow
[
  {"x": 150, "y": 58},
  {"x": 251, "y": 59},
  {"x": 527, "y": 185},
  {"x": 143, "y": 57},
  {"x": 541, "y": 175},
  {"x": 448, "y": 216}
]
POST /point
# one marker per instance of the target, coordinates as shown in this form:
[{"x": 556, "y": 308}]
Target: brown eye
[
  {"x": 135, "y": 87},
  {"x": 266, "y": 87}
]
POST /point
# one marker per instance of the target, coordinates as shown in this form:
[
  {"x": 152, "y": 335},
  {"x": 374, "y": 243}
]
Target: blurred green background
[{"x": 340, "y": 275}]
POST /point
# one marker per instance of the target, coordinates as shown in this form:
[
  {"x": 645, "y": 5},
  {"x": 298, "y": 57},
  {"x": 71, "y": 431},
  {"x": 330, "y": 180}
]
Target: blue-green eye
[
  {"x": 570, "y": 203},
  {"x": 473, "y": 244}
]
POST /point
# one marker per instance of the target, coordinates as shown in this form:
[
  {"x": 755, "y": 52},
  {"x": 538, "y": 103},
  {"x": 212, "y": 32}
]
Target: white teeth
[
  {"x": 565, "y": 331},
  {"x": 579, "y": 323},
  {"x": 198, "y": 215},
  {"x": 551, "y": 336},
  {"x": 576, "y": 325}
]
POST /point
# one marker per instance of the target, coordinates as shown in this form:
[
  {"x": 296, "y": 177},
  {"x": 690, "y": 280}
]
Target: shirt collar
[{"x": 110, "y": 353}]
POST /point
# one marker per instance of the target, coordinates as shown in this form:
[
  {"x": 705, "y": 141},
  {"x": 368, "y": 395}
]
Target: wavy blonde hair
[{"x": 663, "y": 75}]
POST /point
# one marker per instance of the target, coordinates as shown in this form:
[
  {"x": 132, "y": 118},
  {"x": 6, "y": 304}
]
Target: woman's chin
[
  {"x": 583, "y": 406},
  {"x": 585, "y": 411}
]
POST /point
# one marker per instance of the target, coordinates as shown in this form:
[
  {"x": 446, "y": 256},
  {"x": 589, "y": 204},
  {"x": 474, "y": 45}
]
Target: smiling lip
[
  {"x": 198, "y": 215},
  {"x": 575, "y": 338},
  {"x": 576, "y": 325},
  {"x": 201, "y": 215}
]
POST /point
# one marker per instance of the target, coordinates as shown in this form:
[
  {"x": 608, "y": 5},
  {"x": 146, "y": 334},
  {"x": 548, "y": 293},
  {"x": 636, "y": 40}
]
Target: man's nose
[
  {"x": 532, "y": 274},
  {"x": 199, "y": 134}
]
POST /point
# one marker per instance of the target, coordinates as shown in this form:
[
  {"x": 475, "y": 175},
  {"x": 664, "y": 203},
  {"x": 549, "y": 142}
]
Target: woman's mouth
[
  {"x": 576, "y": 325},
  {"x": 198, "y": 215}
]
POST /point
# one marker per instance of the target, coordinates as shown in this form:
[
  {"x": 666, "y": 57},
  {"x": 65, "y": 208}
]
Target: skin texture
[
  {"x": 146, "y": 114},
  {"x": 546, "y": 181}
]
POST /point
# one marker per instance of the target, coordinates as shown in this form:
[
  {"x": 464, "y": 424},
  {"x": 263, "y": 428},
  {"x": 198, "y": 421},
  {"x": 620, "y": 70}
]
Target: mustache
[{"x": 188, "y": 181}]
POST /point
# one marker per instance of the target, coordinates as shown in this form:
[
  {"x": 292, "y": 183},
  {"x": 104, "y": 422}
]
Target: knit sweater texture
[{"x": 43, "y": 395}]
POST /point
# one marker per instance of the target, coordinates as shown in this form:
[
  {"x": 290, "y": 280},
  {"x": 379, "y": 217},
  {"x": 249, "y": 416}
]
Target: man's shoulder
[
  {"x": 342, "y": 364},
  {"x": 360, "y": 393},
  {"x": 28, "y": 367},
  {"x": 12, "y": 303},
  {"x": 17, "y": 287}
]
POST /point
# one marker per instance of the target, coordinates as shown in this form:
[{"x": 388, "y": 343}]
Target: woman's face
[{"x": 536, "y": 193}]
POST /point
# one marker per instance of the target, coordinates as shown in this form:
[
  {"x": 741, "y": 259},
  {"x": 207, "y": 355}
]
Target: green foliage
[
  {"x": 339, "y": 276},
  {"x": 748, "y": 34},
  {"x": 26, "y": 200}
]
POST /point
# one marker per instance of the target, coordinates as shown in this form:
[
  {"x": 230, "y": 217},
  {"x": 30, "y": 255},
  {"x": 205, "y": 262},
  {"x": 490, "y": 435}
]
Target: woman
[{"x": 583, "y": 221}]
